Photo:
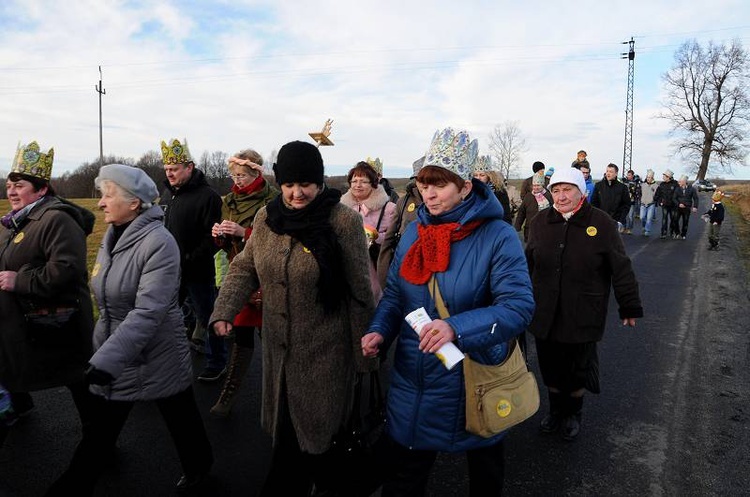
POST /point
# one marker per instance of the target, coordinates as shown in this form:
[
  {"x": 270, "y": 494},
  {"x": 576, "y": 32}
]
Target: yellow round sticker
[
  {"x": 503, "y": 408},
  {"x": 18, "y": 238},
  {"x": 411, "y": 207},
  {"x": 96, "y": 269},
  {"x": 591, "y": 231},
  {"x": 306, "y": 250}
]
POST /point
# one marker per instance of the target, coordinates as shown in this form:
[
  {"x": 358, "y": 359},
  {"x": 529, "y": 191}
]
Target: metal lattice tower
[{"x": 628, "y": 146}]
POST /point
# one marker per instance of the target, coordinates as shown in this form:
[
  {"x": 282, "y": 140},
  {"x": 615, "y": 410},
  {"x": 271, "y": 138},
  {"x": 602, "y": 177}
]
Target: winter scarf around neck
[
  {"x": 431, "y": 252},
  {"x": 14, "y": 219},
  {"x": 311, "y": 226}
]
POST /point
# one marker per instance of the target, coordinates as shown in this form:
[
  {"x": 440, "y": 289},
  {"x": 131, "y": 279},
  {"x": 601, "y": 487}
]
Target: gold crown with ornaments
[
  {"x": 31, "y": 161},
  {"x": 175, "y": 152}
]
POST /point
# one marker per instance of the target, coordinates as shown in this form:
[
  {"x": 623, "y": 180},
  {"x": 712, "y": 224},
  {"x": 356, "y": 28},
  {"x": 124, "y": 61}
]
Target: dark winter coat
[
  {"x": 49, "y": 254},
  {"x": 573, "y": 264},
  {"x": 716, "y": 213},
  {"x": 529, "y": 208},
  {"x": 504, "y": 199},
  {"x": 613, "y": 198},
  {"x": 686, "y": 196},
  {"x": 140, "y": 337},
  {"x": 406, "y": 212},
  {"x": 664, "y": 195},
  {"x": 308, "y": 355},
  {"x": 189, "y": 213},
  {"x": 388, "y": 187},
  {"x": 487, "y": 290}
]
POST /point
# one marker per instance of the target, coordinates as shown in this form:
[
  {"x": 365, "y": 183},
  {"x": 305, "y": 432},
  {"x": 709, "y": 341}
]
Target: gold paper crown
[
  {"x": 175, "y": 152},
  {"x": 31, "y": 162},
  {"x": 483, "y": 164},
  {"x": 376, "y": 164}
]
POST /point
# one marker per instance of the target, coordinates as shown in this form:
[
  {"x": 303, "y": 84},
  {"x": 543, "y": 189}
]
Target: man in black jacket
[
  {"x": 191, "y": 207},
  {"x": 686, "y": 201},
  {"x": 664, "y": 197},
  {"x": 611, "y": 196}
]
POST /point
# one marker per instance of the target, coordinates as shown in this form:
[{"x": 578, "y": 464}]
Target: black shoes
[
  {"x": 568, "y": 426},
  {"x": 189, "y": 482},
  {"x": 550, "y": 423},
  {"x": 571, "y": 426}
]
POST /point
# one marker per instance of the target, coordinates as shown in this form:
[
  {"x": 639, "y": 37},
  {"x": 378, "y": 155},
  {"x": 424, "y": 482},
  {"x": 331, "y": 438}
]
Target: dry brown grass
[{"x": 737, "y": 203}]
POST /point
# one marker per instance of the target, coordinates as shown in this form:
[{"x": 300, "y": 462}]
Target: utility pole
[
  {"x": 101, "y": 91},
  {"x": 627, "y": 154}
]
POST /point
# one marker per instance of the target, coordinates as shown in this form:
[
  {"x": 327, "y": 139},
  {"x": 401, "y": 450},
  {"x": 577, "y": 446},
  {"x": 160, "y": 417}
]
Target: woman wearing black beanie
[{"x": 309, "y": 253}]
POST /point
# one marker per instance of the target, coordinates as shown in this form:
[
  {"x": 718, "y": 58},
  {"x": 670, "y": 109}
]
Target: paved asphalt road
[{"x": 672, "y": 418}]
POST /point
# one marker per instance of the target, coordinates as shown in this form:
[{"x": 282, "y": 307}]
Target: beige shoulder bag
[{"x": 497, "y": 396}]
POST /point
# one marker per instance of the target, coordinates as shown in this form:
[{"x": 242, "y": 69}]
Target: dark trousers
[
  {"x": 293, "y": 472},
  {"x": 668, "y": 221},
  {"x": 683, "y": 217},
  {"x": 408, "y": 470},
  {"x": 107, "y": 417},
  {"x": 202, "y": 296}
]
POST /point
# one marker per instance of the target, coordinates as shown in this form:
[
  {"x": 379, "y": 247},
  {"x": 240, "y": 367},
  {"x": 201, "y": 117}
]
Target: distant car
[{"x": 703, "y": 185}]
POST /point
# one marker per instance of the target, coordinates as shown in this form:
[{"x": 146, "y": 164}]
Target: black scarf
[{"x": 311, "y": 226}]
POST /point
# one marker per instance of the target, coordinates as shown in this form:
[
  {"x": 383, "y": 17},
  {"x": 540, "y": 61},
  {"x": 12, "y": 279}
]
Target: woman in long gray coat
[
  {"x": 308, "y": 252},
  {"x": 141, "y": 349}
]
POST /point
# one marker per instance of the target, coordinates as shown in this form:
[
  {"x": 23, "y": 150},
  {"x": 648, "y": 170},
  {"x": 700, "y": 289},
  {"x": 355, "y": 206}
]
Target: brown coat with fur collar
[{"x": 313, "y": 355}]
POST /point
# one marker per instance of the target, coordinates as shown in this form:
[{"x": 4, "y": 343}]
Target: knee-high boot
[{"x": 239, "y": 362}]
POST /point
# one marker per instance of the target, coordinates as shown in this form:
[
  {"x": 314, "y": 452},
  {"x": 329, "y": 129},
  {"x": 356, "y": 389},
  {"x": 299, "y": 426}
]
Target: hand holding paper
[{"x": 448, "y": 353}]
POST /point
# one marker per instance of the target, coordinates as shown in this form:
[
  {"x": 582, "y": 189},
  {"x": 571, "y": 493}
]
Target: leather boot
[
  {"x": 239, "y": 362},
  {"x": 551, "y": 422},
  {"x": 571, "y": 425}
]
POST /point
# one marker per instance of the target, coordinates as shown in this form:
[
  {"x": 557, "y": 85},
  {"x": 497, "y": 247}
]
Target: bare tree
[
  {"x": 152, "y": 164},
  {"x": 508, "y": 144},
  {"x": 707, "y": 105},
  {"x": 80, "y": 183},
  {"x": 214, "y": 164}
]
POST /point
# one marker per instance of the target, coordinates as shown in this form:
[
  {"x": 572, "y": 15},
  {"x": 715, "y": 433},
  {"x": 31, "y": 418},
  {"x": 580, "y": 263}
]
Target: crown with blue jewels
[
  {"x": 175, "y": 152},
  {"x": 376, "y": 164},
  {"x": 454, "y": 151},
  {"x": 30, "y": 161},
  {"x": 484, "y": 164}
]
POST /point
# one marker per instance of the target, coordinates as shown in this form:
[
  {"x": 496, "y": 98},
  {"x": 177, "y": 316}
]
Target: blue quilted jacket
[{"x": 488, "y": 293}]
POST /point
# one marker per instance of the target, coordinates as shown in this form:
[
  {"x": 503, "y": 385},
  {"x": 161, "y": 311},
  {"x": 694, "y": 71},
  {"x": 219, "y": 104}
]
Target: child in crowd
[{"x": 715, "y": 217}]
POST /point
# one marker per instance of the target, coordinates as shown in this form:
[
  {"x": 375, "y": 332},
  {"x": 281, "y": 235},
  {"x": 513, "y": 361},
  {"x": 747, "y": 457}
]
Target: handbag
[
  {"x": 359, "y": 445},
  {"x": 50, "y": 326},
  {"x": 497, "y": 396}
]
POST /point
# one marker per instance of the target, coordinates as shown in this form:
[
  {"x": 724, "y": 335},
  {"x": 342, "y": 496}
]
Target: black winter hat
[
  {"x": 299, "y": 162},
  {"x": 537, "y": 166}
]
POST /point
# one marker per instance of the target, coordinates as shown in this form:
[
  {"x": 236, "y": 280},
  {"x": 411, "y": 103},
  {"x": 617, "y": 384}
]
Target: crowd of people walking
[{"x": 326, "y": 281}]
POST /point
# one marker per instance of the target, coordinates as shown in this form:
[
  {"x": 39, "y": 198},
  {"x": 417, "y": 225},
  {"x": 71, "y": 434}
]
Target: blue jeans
[
  {"x": 202, "y": 296},
  {"x": 629, "y": 218},
  {"x": 648, "y": 212}
]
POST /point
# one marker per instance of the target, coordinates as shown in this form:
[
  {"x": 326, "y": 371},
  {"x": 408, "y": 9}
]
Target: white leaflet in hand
[{"x": 448, "y": 354}]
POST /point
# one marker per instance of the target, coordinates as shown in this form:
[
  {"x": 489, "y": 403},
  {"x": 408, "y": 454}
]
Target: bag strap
[
  {"x": 380, "y": 218},
  {"x": 434, "y": 288},
  {"x": 442, "y": 309}
]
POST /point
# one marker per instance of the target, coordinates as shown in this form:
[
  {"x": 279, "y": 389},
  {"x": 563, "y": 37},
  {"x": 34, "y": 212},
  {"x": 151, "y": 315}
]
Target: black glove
[{"x": 96, "y": 376}]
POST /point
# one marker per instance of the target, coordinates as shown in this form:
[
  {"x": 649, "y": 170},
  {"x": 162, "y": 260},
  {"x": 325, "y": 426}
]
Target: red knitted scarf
[{"x": 431, "y": 252}]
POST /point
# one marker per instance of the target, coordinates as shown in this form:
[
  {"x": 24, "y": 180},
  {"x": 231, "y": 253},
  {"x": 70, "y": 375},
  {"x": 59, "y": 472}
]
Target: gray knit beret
[{"x": 129, "y": 178}]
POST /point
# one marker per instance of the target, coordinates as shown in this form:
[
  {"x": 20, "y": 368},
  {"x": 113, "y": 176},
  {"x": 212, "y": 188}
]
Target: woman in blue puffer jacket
[{"x": 477, "y": 260}]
